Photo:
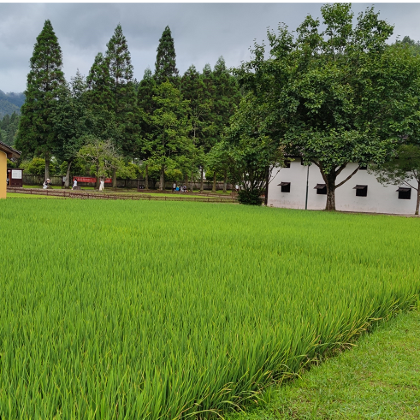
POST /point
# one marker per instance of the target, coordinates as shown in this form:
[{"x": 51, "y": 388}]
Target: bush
[{"x": 251, "y": 197}]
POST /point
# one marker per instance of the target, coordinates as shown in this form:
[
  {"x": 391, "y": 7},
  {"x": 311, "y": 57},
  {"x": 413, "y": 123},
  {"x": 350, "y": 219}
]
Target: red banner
[{"x": 90, "y": 179}]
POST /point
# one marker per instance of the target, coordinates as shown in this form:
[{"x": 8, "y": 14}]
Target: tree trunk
[
  {"x": 67, "y": 182},
  {"x": 214, "y": 182},
  {"x": 225, "y": 181},
  {"x": 162, "y": 178},
  {"x": 146, "y": 176},
  {"x": 202, "y": 179},
  {"x": 267, "y": 181},
  {"x": 47, "y": 168},
  {"x": 192, "y": 183},
  {"x": 114, "y": 178},
  {"x": 330, "y": 178},
  {"x": 97, "y": 178}
]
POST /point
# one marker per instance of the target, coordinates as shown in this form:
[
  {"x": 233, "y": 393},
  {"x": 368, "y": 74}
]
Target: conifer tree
[
  {"x": 195, "y": 88},
  {"x": 165, "y": 60},
  {"x": 146, "y": 105},
  {"x": 70, "y": 122},
  {"x": 45, "y": 85},
  {"x": 226, "y": 98},
  {"x": 99, "y": 100},
  {"x": 118, "y": 59},
  {"x": 170, "y": 127}
]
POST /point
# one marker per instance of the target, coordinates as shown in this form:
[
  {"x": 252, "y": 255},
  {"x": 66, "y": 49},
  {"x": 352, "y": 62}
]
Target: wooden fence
[{"x": 119, "y": 196}]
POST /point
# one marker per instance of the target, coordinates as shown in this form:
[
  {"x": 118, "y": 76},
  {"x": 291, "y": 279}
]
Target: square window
[
  {"x": 404, "y": 193},
  {"x": 321, "y": 189},
  {"x": 285, "y": 187},
  {"x": 287, "y": 163},
  {"x": 361, "y": 190}
]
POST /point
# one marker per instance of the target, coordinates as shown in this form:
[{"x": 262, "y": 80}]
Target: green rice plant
[{"x": 171, "y": 310}]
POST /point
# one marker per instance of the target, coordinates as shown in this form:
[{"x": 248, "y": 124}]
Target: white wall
[{"x": 380, "y": 199}]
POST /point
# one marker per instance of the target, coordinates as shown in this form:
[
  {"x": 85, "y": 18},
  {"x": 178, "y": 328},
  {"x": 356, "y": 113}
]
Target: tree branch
[{"x": 342, "y": 182}]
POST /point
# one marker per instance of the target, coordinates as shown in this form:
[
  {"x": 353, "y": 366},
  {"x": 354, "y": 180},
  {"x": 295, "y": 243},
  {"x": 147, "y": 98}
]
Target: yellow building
[{"x": 5, "y": 153}]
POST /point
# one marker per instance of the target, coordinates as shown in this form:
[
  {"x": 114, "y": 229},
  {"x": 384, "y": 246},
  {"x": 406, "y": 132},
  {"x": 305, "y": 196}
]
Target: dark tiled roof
[{"x": 7, "y": 149}]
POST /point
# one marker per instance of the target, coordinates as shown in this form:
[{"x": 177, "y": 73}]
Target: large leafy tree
[
  {"x": 336, "y": 95},
  {"x": 45, "y": 87},
  {"x": 165, "y": 67},
  {"x": 253, "y": 153},
  {"x": 403, "y": 170}
]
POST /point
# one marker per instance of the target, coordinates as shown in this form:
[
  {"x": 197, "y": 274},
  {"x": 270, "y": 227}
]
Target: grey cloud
[{"x": 202, "y": 31}]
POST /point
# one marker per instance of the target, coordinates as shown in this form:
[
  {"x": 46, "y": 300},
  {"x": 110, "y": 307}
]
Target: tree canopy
[
  {"x": 336, "y": 92},
  {"x": 45, "y": 85}
]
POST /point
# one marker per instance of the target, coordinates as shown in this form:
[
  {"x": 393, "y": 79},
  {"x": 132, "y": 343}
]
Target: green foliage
[
  {"x": 44, "y": 90},
  {"x": 36, "y": 166},
  {"x": 403, "y": 169},
  {"x": 169, "y": 139},
  {"x": 10, "y": 103},
  {"x": 165, "y": 66},
  {"x": 102, "y": 155},
  {"x": 8, "y": 128},
  {"x": 336, "y": 95},
  {"x": 133, "y": 299},
  {"x": 250, "y": 197},
  {"x": 118, "y": 60},
  {"x": 252, "y": 154}
]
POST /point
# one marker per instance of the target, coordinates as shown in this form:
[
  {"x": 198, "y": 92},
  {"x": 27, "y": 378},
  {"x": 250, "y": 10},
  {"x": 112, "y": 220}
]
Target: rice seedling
[{"x": 171, "y": 310}]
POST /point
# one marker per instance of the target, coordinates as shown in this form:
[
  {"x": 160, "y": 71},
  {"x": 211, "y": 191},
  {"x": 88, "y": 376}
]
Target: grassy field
[
  {"x": 165, "y": 310},
  {"x": 379, "y": 378}
]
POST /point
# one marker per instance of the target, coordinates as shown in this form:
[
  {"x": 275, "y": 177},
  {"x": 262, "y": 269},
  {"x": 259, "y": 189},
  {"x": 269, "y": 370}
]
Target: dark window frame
[
  {"x": 285, "y": 187},
  {"x": 404, "y": 193},
  {"x": 321, "y": 191},
  {"x": 361, "y": 190}
]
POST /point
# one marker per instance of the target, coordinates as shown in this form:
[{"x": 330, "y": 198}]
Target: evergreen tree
[
  {"x": 99, "y": 100},
  {"x": 170, "y": 127},
  {"x": 45, "y": 84},
  {"x": 71, "y": 122},
  {"x": 195, "y": 90},
  {"x": 226, "y": 97},
  {"x": 165, "y": 60},
  {"x": 146, "y": 105},
  {"x": 123, "y": 95}
]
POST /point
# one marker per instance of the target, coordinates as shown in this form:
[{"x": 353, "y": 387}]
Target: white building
[{"x": 290, "y": 186}]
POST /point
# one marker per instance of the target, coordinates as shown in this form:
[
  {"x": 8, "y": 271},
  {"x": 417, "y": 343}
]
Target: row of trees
[
  {"x": 332, "y": 94},
  {"x": 165, "y": 121}
]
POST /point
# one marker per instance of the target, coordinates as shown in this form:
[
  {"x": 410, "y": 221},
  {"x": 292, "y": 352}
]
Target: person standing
[
  {"x": 74, "y": 183},
  {"x": 174, "y": 187},
  {"x": 102, "y": 185}
]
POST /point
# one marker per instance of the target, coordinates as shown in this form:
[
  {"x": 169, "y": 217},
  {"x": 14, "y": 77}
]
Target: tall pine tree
[
  {"x": 146, "y": 105},
  {"x": 45, "y": 86},
  {"x": 165, "y": 68},
  {"x": 99, "y": 100},
  {"x": 124, "y": 96}
]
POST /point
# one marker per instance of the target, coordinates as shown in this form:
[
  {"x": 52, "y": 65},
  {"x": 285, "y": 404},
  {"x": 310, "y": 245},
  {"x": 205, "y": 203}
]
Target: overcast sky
[{"x": 202, "y": 31}]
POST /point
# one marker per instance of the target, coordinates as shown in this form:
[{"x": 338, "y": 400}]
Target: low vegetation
[
  {"x": 380, "y": 378},
  {"x": 164, "y": 310}
]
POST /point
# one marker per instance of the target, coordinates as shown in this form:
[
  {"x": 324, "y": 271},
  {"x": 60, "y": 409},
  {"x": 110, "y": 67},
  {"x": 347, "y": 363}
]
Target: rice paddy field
[{"x": 171, "y": 310}]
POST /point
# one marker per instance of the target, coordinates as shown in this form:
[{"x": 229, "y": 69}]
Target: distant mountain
[{"x": 10, "y": 102}]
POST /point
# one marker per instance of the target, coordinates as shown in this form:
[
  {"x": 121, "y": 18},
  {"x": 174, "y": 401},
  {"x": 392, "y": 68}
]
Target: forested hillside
[{"x": 10, "y": 103}]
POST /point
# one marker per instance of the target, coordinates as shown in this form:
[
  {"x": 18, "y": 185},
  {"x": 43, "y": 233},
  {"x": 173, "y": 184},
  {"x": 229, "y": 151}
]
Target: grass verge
[{"x": 380, "y": 378}]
